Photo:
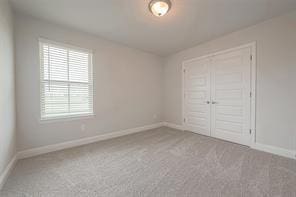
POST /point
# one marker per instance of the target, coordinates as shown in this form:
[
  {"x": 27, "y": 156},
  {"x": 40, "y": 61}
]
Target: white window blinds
[{"x": 66, "y": 81}]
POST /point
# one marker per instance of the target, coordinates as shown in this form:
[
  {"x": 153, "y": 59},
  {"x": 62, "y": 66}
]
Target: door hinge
[
  {"x": 250, "y": 131},
  {"x": 184, "y": 70},
  {"x": 184, "y": 120},
  {"x": 251, "y": 57},
  {"x": 250, "y": 94}
]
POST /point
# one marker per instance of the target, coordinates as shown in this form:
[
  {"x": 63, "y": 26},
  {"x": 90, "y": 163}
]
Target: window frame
[{"x": 69, "y": 116}]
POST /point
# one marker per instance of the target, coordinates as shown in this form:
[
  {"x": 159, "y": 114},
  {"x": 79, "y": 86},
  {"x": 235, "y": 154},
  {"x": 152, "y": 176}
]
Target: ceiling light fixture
[{"x": 159, "y": 7}]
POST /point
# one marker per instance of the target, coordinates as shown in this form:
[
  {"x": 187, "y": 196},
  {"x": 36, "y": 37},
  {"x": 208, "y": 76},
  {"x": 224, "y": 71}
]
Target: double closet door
[{"x": 217, "y": 95}]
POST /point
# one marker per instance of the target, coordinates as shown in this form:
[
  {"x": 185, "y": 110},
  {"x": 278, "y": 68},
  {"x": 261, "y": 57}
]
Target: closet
[{"x": 217, "y": 95}]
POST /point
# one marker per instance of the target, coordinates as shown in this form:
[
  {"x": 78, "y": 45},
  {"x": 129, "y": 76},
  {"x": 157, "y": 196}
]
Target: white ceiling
[{"x": 129, "y": 22}]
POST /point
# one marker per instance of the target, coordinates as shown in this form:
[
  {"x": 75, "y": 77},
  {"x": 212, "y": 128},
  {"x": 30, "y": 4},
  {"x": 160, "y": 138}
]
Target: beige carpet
[{"x": 161, "y": 162}]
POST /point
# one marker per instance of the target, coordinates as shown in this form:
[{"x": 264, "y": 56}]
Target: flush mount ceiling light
[{"x": 159, "y": 7}]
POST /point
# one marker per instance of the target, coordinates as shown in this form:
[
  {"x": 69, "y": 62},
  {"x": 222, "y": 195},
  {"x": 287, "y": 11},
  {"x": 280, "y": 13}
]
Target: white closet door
[
  {"x": 230, "y": 92},
  {"x": 197, "y": 96}
]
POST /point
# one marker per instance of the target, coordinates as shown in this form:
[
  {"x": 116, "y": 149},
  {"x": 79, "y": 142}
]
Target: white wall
[
  {"x": 7, "y": 98},
  {"x": 130, "y": 84},
  {"x": 127, "y": 86},
  {"x": 276, "y": 80}
]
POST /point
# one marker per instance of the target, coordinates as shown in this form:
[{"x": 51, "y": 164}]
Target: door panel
[
  {"x": 230, "y": 89},
  {"x": 196, "y": 95}
]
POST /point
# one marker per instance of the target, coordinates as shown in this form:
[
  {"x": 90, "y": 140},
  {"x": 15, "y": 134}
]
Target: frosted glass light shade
[{"x": 159, "y": 7}]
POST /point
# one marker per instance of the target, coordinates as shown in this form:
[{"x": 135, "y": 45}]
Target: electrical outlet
[{"x": 82, "y": 127}]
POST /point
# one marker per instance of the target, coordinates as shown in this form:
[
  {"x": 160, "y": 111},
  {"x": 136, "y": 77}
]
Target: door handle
[
  {"x": 214, "y": 102},
  {"x": 207, "y": 102}
]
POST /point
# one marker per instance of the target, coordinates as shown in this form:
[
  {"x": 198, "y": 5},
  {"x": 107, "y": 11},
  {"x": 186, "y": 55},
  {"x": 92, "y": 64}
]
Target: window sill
[{"x": 66, "y": 118}]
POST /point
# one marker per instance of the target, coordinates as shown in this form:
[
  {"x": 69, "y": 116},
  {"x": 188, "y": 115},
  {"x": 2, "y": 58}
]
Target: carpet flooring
[{"x": 157, "y": 163}]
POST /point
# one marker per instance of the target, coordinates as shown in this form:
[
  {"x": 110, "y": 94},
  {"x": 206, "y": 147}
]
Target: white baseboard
[
  {"x": 261, "y": 147},
  {"x": 88, "y": 140},
  {"x": 275, "y": 150},
  {"x": 7, "y": 170},
  {"x": 173, "y": 126},
  {"x": 55, "y": 147}
]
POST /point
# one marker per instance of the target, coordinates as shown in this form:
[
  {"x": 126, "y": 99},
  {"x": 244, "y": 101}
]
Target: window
[{"x": 66, "y": 81}]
